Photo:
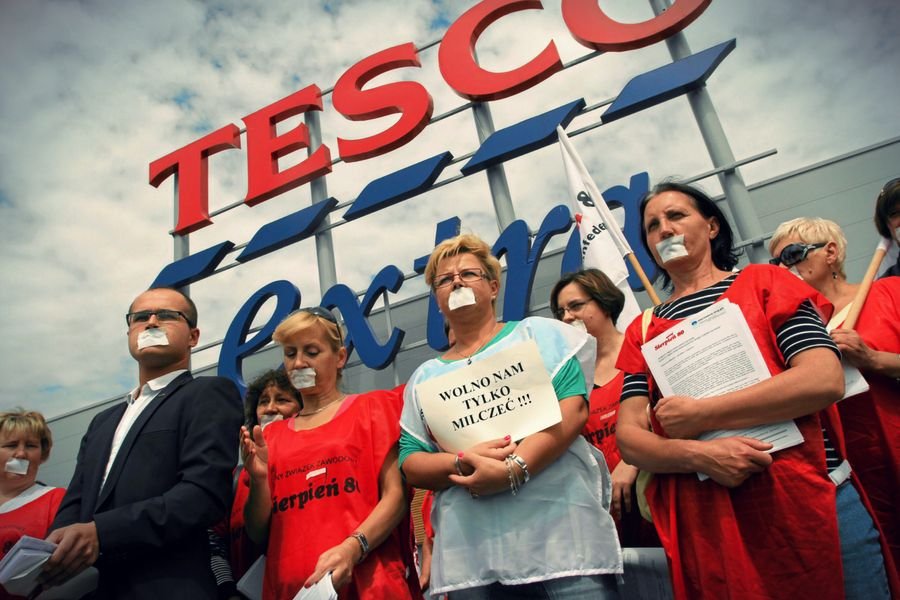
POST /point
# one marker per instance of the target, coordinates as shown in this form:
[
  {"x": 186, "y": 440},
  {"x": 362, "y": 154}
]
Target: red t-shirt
[
  {"x": 775, "y": 535},
  {"x": 323, "y": 484},
  {"x": 600, "y": 430},
  {"x": 33, "y": 518},
  {"x": 871, "y": 420}
]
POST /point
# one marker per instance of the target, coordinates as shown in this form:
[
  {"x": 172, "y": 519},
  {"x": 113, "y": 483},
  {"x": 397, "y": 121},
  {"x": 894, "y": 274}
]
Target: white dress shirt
[{"x": 138, "y": 399}]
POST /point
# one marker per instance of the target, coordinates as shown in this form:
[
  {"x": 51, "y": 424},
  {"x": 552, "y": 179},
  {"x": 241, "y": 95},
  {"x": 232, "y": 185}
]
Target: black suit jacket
[{"x": 170, "y": 481}]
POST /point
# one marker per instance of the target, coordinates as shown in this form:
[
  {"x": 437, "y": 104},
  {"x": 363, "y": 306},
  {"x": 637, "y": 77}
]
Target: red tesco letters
[{"x": 585, "y": 19}]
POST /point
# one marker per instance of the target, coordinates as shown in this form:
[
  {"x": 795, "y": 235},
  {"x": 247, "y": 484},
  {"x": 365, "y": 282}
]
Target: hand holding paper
[
  {"x": 77, "y": 549},
  {"x": 336, "y": 564},
  {"x": 729, "y": 461}
]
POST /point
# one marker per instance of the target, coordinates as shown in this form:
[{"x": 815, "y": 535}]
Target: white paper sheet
[
  {"x": 322, "y": 590},
  {"x": 714, "y": 353},
  {"x": 21, "y": 566},
  {"x": 251, "y": 584}
]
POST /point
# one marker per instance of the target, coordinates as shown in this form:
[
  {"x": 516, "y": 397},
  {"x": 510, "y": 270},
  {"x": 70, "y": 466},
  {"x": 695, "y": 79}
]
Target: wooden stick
[
  {"x": 648, "y": 287},
  {"x": 860, "y": 298}
]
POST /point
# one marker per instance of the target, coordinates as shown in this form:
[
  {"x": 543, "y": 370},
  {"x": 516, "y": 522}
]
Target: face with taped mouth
[{"x": 159, "y": 335}]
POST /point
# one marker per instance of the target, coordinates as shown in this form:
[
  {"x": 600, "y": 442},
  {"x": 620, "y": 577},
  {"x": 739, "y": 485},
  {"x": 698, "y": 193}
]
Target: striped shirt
[{"x": 803, "y": 331}]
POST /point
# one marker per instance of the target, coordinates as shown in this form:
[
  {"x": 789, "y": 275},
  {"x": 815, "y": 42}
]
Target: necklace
[
  {"x": 321, "y": 408},
  {"x": 481, "y": 343}
]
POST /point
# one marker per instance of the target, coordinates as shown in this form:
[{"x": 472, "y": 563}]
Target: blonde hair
[
  {"x": 302, "y": 321},
  {"x": 30, "y": 423},
  {"x": 466, "y": 243},
  {"x": 813, "y": 230}
]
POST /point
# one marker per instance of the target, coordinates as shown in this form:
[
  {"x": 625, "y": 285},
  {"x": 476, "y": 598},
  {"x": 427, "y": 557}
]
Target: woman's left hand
[
  {"x": 680, "y": 416},
  {"x": 490, "y": 475},
  {"x": 853, "y": 348},
  {"x": 339, "y": 560}
]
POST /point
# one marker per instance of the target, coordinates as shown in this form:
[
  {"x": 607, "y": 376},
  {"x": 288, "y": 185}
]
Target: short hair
[
  {"x": 595, "y": 284},
  {"x": 466, "y": 243},
  {"x": 812, "y": 230},
  {"x": 18, "y": 421},
  {"x": 303, "y": 320},
  {"x": 276, "y": 377},
  {"x": 724, "y": 256},
  {"x": 887, "y": 200},
  {"x": 191, "y": 313}
]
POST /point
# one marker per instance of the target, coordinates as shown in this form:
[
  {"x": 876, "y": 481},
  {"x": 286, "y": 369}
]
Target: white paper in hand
[
  {"x": 323, "y": 590},
  {"x": 21, "y": 566}
]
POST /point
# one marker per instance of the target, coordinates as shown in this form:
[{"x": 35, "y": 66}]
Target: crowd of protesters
[{"x": 321, "y": 496}]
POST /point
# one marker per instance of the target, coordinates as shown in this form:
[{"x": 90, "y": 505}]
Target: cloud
[{"x": 96, "y": 90}]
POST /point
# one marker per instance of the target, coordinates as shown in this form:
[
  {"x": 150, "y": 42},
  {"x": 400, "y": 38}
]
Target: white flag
[{"x": 603, "y": 245}]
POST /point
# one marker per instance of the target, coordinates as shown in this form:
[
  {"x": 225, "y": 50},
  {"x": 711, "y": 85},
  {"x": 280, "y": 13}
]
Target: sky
[{"x": 95, "y": 90}]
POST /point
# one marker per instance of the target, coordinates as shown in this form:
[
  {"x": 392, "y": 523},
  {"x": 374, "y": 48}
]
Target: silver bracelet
[
  {"x": 458, "y": 466},
  {"x": 522, "y": 465}
]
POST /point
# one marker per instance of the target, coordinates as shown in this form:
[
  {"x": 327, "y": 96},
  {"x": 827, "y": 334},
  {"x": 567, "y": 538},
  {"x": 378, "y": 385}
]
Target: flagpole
[
  {"x": 863, "y": 290},
  {"x": 648, "y": 287}
]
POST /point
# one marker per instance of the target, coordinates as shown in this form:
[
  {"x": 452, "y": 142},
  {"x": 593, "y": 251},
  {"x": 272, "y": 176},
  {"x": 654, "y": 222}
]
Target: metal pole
[
  {"x": 390, "y": 327},
  {"x": 319, "y": 191},
  {"x": 181, "y": 244},
  {"x": 496, "y": 175},
  {"x": 736, "y": 194}
]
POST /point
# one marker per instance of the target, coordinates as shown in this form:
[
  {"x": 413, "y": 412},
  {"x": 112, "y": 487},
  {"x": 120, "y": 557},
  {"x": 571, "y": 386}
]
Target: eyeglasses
[
  {"x": 794, "y": 253},
  {"x": 466, "y": 276},
  {"x": 163, "y": 314},
  {"x": 574, "y": 308}
]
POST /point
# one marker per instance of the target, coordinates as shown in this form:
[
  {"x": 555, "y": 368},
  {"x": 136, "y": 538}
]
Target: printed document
[{"x": 712, "y": 353}]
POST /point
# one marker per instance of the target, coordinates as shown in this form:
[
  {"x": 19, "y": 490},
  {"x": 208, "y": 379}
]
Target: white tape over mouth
[
  {"x": 302, "y": 379},
  {"x": 17, "y": 466},
  {"x": 269, "y": 419},
  {"x": 579, "y": 325},
  {"x": 152, "y": 337},
  {"x": 671, "y": 248},
  {"x": 461, "y": 296}
]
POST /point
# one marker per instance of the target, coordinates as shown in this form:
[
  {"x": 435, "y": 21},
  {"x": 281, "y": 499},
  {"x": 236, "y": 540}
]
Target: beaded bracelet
[{"x": 513, "y": 481}]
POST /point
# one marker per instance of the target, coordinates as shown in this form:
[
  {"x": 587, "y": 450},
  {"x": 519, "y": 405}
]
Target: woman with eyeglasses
[
  {"x": 590, "y": 300},
  {"x": 325, "y": 489},
  {"x": 513, "y": 518},
  {"x": 814, "y": 249},
  {"x": 763, "y": 525}
]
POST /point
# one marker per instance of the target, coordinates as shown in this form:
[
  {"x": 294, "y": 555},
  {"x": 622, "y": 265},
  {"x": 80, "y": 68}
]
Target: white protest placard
[
  {"x": 506, "y": 393},
  {"x": 712, "y": 353}
]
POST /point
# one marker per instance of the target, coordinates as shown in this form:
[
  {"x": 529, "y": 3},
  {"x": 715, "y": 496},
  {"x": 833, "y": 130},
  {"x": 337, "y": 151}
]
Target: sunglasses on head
[
  {"x": 322, "y": 313},
  {"x": 794, "y": 253}
]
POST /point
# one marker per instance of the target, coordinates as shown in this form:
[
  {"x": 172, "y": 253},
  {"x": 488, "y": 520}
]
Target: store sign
[{"x": 585, "y": 20}]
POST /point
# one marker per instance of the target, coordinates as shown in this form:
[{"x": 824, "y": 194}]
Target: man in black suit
[{"x": 154, "y": 472}]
